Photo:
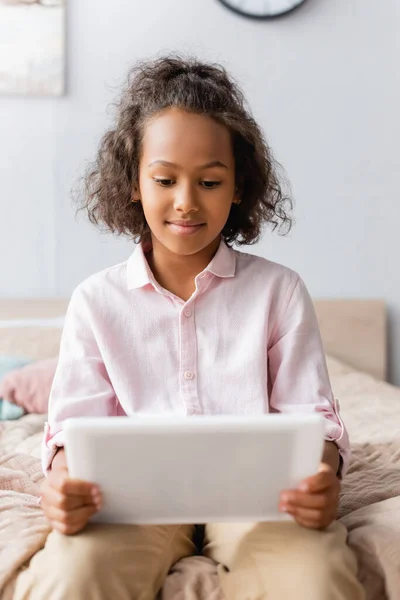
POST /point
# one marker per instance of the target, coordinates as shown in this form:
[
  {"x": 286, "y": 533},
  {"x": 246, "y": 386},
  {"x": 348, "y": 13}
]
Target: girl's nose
[{"x": 185, "y": 199}]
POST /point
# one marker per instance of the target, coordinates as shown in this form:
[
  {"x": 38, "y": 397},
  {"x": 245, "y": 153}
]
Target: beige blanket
[{"x": 370, "y": 505}]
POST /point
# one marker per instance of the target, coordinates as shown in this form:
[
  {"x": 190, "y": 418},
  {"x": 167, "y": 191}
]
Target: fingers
[
  {"x": 75, "y": 487},
  {"x": 316, "y": 512},
  {"x": 54, "y": 497},
  {"x": 71, "y": 487},
  {"x": 69, "y": 522},
  {"x": 314, "y": 504},
  {"x": 68, "y": 503},
  {"x": 59, "y": 479},
  {"x": 302, "y": 500},
  {"x": 305, "y": 514},
  {"x": 322, "y": 501},
  {"x": 73, "y": 517},
  {"x": 312, "y": 518},
  {"x": 324, "y": 479}
]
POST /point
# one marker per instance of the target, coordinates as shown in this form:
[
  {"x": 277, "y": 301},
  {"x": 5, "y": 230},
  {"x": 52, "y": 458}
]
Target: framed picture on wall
[{"x": 32, "y": 47}]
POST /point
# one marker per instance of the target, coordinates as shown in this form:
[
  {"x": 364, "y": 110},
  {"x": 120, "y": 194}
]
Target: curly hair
[{"x": 199, "y": 88}]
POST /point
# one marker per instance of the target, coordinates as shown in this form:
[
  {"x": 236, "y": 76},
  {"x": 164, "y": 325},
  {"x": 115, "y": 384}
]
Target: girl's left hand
[{"x": 314, "y": 504}]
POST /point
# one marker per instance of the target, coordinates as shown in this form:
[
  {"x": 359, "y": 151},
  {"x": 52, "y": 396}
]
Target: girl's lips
[{"x": 184, "y": 228}]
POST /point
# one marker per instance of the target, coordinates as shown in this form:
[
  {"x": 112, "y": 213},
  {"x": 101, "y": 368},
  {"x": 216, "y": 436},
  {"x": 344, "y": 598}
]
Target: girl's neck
[{"x": 176, "y": 273}]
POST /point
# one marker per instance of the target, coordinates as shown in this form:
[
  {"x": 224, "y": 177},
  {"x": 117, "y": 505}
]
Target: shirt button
[
  {"x": 188, "y": 375},
  {"x": 188, "y": 313}
]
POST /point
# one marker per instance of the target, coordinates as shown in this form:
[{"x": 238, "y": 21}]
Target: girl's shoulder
[
  {"x": 273, "y": 283},
  {"x": 258, "y": 268},
  {"x": 104, "y": 286}
]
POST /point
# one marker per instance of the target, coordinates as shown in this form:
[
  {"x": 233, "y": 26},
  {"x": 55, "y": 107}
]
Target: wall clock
[{"x": 262, "y": 9}]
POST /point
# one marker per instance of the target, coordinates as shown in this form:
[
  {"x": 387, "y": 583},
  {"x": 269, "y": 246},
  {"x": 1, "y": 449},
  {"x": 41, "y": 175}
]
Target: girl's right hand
[{"x": 68, "y": 503}]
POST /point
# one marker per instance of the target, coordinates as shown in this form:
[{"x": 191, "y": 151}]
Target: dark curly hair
[{"x": 199, "y": 88}]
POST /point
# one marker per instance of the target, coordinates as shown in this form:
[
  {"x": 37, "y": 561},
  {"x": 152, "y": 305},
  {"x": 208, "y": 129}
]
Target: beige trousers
[{"x": 266, "y": 561}]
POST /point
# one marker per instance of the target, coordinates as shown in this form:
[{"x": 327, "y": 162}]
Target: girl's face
[{"x": 186, "y": 180}]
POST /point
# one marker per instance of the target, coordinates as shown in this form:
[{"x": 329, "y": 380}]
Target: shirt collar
[
  {"x": 139, "y": 273},
  {"x": 224, "y": 262}
]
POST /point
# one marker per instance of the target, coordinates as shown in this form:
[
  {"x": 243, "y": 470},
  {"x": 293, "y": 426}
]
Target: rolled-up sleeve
[
  {"x": 81, "y": 386},
  {"x": 299, "y": 379}
]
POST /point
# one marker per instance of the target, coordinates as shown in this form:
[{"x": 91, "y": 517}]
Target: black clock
[{"x": 262, "y": 9}]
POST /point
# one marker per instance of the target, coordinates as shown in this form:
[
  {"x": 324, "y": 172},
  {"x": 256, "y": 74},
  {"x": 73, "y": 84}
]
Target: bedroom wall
[{"x": 324, "y": 84}]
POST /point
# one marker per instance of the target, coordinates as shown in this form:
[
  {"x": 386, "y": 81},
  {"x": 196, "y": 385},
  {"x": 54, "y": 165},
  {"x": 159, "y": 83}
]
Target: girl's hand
[
  {"x": 314, "y": 504},
  {"x": 68, "y": 503}
]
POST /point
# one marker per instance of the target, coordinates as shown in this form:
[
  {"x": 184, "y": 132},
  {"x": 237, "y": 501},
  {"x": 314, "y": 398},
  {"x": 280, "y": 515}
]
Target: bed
[{"x": 354, "y": 335}]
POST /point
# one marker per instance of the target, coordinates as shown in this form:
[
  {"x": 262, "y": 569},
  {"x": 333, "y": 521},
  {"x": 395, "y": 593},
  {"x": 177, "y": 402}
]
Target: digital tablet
[{"x": 197, "y": 469}]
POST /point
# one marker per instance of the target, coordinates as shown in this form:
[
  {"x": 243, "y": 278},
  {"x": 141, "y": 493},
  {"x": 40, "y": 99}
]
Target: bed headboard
[
  {"x": 32, "y": 308},
  {"x": 353, "y": 331}
]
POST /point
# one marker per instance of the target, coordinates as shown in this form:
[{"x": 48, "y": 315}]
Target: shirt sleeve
[
  {"x": 299, "y": 379},
  {"x": 81, "y": 386}
]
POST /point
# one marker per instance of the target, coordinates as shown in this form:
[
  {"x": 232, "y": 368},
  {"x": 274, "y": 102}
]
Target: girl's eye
[
  {"x": 164, "y": 182},
  {"x": 209, "y": 185}
]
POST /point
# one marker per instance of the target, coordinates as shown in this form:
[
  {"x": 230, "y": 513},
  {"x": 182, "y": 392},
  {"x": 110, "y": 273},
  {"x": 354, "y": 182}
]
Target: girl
[{"x": 187, "y": 325}]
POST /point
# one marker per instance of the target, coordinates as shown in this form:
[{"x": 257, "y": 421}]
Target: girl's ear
[
  {"x": 236, "y": 198},
  {"x": 135, "y": 194}
]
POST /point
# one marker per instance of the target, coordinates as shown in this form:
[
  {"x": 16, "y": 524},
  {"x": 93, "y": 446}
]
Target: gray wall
[{"x": 324, "y": 84}]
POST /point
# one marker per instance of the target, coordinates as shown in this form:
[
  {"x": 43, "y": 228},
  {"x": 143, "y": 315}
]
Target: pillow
[
  {"x": 29, "y": 387},
  {"x": 8, "y": 364},
  {"x": 9, "y": 412}
]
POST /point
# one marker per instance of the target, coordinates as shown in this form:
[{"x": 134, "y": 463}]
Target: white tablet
[{"x": 198, "y": 469}]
